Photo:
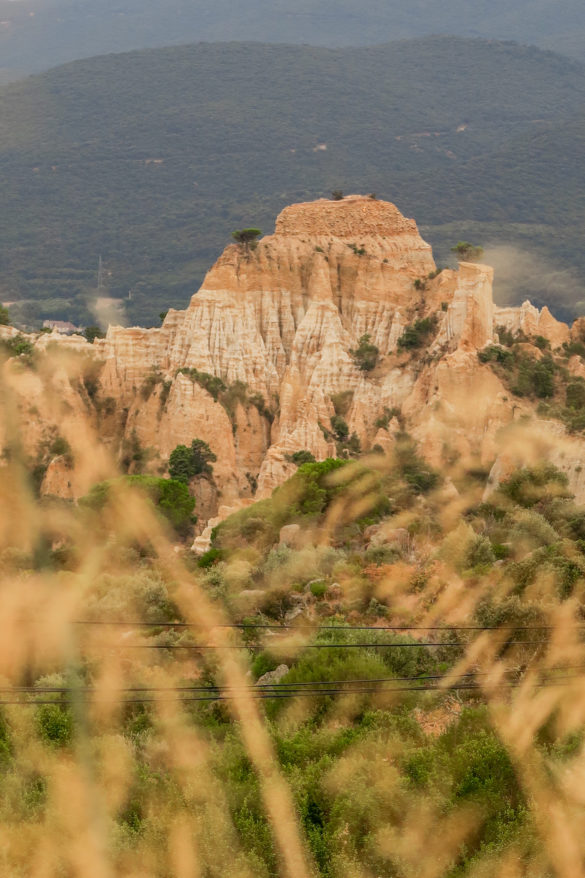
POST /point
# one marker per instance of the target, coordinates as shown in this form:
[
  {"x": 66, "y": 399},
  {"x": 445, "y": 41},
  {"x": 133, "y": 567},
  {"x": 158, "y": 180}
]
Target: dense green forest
[
  {"x": 151, "y": 159},
  {"x": 65, "y": 30}
]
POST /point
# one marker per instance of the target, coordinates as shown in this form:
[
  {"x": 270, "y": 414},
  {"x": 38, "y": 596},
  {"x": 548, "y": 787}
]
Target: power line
[
  {"x": 277, "y": 627},
  {"x": 212, "y": 686},
  {"x": 265, "y": 696},
  {"x": 290, "y": 686},
  {"x": 204, "y": 646}
]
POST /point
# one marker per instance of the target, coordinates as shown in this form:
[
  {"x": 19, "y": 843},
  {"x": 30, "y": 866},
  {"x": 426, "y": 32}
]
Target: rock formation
[{"x": 277, "y": 323}]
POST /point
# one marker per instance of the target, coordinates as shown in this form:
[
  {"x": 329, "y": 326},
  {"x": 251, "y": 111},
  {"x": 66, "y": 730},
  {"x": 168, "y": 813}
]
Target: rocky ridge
[{"x": 277, "y": 324}]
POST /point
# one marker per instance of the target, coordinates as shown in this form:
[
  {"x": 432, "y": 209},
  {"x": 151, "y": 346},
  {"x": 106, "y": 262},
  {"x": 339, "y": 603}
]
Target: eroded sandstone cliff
[{"x": 277, "y": 324}]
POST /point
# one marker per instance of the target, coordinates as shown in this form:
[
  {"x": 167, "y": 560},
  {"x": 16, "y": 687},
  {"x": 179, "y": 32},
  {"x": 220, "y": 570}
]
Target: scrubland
[{"x": 427, "y": 714}]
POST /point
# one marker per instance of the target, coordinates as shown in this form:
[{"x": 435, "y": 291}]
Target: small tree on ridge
[
  {"x": 247, "y": 237},
  {"x": 466, "y": 252}
]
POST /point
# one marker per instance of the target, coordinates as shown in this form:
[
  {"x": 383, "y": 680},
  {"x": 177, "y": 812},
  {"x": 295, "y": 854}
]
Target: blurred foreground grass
[{"x": 426, "y": 718}]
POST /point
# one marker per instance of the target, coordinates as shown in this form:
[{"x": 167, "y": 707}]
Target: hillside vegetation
[
  {"x": 152, "y": 159},
  {"x": 404, "y": 665},
  {"x": 65, "y": 30}
]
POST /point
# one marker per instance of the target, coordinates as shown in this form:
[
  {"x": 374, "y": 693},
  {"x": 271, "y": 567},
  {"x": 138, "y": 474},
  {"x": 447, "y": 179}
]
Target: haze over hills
[
  {"x": 150, "y": 159},
  {"x": 36, "y": 34}
]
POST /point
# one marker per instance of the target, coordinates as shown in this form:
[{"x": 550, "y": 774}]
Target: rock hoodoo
[{"x": 279, "y": 325}]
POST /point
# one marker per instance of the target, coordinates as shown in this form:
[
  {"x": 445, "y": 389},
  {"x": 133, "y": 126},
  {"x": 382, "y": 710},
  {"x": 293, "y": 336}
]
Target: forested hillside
[
  {"x": 151, "y": 159},
  {"x": 36, "y": 34}
]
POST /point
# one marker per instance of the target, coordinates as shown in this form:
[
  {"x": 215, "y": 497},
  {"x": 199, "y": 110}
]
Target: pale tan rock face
[
  {"x": 283, "y": 318},
  {"x": 531, "y": 321},
  {"x": 471, "y": 313},
  {"x": 46, "y": 403},
  {"x": 204, "y": 491},
  {"x": 458, "y": 405},
  {"x": 60, "y": 480}
]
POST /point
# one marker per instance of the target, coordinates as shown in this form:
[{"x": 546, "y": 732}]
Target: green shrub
[
  {"x": 381, "y": 555},
  {"x": 572, "y": 417},
  {"x": 59, "y": 446},
  {"x": 574, "y": 348},
  {"x": 416, "y": 335},
  {"x": 211, "y": 383},
  {"x": 134, "y": 455},
  {"x": 528, "y": 486},
  {"x": 307, "y": 494},
  {"x": 575, "y": 395},
  {"x": 510, "y": 612},
  {"x": 150, "y": 383},
  {"x": 247, "y": 237},
  {"x": 169, "y": 496},
  {"x": 483, "y": 770},
  {"x": 4, "y": 316},
  {"x": 569, "y": 573},
  {"x": 530, "y": 525},
  {"x": 300, "y": 457},
  {"x": 420, "y": 477},
  {"x": 365, "y": 356},
  {"x": 132, "y": 817},
  {"x": 350, "y": 447},
  {"x": 506, "y": 336},
  {"x": 480, "y": 552},
  {"x": 574, "y": 421},
  {"x": 468, "y": 764},
  {"x": 93, "y": 332},
  {"x": 340, "y": 428},
  {"x": 164, "y": 394},
  {"x": 467, "y": 252},
  {"x": 185, "y": 463},
  {"x": 383, "y": 422},
  {"x": 55, "y": 724},
  {"x": 318, "y": 589},
  {"x": 342, "y": 401},
  {"x": 496, "y": 354},
  {"x": 5, "y": 743},
  {"x": 315, "y": 491},
  {"x": 262, "y": 663},
  {"x": 17, "y": 346},
  {"x": 524, "y": 375},
  {"x": 173, "y": 500},
  {"x": 258, "y": 401},
  {"x": 535, "y": 377},
  {"x": 34, "y": 796},
  {"x": 234, "y": 395}
]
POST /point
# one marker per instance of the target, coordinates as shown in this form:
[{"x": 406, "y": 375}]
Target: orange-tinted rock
[
  {"x": 531, "y": 321},
  {"x": 283, "y": 319}
]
